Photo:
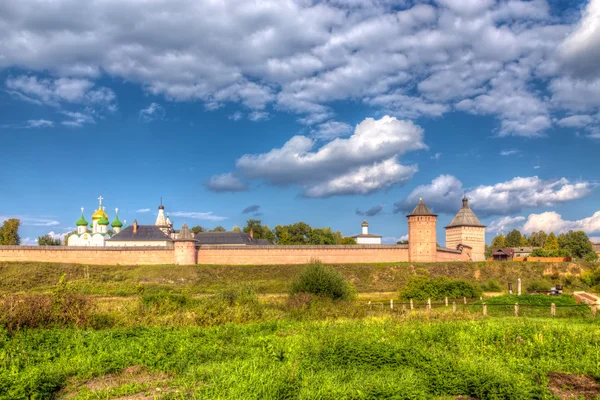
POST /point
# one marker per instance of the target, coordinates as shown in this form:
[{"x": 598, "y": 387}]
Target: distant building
[
  {"x": 140, "y": 235},
  {"x": 229, "y": 239},
  {"x": 365, "y": 237},
  {"x": 509, "y": 253}
]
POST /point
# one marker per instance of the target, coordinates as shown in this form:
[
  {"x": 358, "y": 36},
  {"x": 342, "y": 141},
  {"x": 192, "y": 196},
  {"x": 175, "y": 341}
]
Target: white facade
[{"x": 368, "y": 240}]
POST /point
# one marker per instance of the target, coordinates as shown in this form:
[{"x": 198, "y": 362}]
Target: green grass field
[
  {"x": 216, "y": 332},
  {"x": 504, "y": 358}
]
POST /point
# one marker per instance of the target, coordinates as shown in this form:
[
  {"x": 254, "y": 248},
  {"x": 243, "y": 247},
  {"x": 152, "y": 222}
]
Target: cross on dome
[
  {"x": 100, "y": 200},
  {"x": 117, "y": 210}
]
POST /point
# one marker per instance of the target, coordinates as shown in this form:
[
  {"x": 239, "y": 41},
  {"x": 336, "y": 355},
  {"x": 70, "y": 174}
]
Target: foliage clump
[
  {"x": 319, "y": 280},
  {"x": 491, "y": 286},
  {"x": 423, "y": 287}
]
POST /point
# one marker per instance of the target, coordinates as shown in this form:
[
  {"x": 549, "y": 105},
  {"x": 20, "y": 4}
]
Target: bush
[
  {"x": 492, "y": 286},
  {"x": 421, "y": 288},
  {"x": 537, "y": 285},
  {"x": 322, "y": 281}
]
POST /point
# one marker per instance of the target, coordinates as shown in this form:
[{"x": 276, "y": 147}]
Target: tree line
[
  {"x": 573, "y": 244},
  {"x": 299, "y": 233}
]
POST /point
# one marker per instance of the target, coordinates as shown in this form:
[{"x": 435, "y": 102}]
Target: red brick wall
[
  {"x": 281, "y": 255},
  {"x": 447, "y": 256},
  {"x": 88, "y": 255},
  {"x": 422, "y": 238}
]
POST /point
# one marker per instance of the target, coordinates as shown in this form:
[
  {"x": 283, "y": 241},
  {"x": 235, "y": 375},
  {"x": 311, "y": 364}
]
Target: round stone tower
[
  {"x": 185, "y": 247},
  {"x": 422, "y": 245}
]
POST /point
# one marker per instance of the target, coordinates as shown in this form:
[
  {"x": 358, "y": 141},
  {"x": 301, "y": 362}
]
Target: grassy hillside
[
  {"x": 126, "y": 280},
  {"x": 505, "y": 358}
]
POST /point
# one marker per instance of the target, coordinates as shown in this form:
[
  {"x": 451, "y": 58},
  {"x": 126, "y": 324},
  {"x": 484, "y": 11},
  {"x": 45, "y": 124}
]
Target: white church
[{"x": 99, "y": 234}]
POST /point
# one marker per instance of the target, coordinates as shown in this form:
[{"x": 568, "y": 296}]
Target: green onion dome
[
  {"x": 116, "y": 223},
  {"x": 81, "y": 221},
  {"x": 103, "y": 221}
]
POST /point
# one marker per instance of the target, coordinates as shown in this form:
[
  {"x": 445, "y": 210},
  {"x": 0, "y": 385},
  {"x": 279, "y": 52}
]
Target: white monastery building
[{"x": 365, "y": 237}]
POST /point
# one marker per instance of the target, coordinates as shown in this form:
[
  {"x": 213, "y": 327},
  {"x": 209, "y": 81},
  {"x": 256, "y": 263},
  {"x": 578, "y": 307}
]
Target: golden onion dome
[{"x": 99, "y": 214}]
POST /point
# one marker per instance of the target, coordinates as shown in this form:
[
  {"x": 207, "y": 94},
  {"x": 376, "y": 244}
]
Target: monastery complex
[{"x": 162, "y": 244}]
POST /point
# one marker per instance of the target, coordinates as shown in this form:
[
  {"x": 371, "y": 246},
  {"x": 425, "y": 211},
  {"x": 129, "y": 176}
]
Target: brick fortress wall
[{"x": 88, "y": 255}]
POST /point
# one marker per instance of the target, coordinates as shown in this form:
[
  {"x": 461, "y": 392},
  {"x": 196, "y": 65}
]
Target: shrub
[
  {"x": 537, "y": 285},
  {"x": 322, "y": 281},
  {"x": 421, "y": 288},
  {"x": 491, "y": 286}
]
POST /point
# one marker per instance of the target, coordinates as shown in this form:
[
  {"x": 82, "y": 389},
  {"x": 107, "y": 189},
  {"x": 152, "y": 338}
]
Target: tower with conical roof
[
  {"x": 466, "y": 229},
  {"x": 422, "y": 245}
]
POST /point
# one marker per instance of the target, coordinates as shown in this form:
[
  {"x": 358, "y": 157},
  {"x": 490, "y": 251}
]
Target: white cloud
[
  {"x": 153, "y": 112},
  {"x": 436, "y": 156},
  {"x": 236, "y": 116},
  {"x": 407, "y": 60},
  {"x": 509, "y": 152},
  {"x": 552, "y": 221},
  {"x": 576, "y": 121},
  {"x": 393, "y": 239},
  {"x": 226, "y": 183},
  {"x": 257, "y": 116},
  {"x": 39, "y": 123},
  {"x": 207, "y": 216},
  {"x": 78, "y": 119},
  {"x": 575, "y": 94},
  {"x": 28, "y": 220},
  {"x": 444, "y": 194},
  {"x": 330, "y": 130},
  {"x": 56, "y": 235},
  {"x": 362, "y": 163},
  {"x": 504, "y": 224},
  {"x": 580, "y": 51},
  {"x": 143, "y": 210}
]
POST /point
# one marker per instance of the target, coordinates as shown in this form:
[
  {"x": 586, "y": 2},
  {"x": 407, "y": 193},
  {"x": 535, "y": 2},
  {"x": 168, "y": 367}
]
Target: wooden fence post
[
  {"x": 484, "y": 309},
  {"x": 518, "y": 286},
  {"x": 453, "y": 306},
  {"x": 412, "y": 306},
  {"x": 446, "y": 301},
  {"x": 553, "y": 309},
  {"x": 428, "y": 305},
  {"x": 465, "y": 301},
  {"x": 392, "y": 305},
  {"x": 516, "y": 309},
  {"x": 370, "y": 305}
]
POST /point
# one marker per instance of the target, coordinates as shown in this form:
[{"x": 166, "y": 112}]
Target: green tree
[
  {"x": 488, "y": 251},
  {"x": 577, "y": 244},
  {"x": 348, "y": 240},
  {"x": 218, "y": 228},
  {"x": 524, "y": 241},
  {"x": 66, "y": 239},
  {"x": 498, "y": 242},
  {"x": 9, "y": 232},
  {"x": 513, "y": 239},
  {"x": 551, "y": 242},
  {"x": 537, "y": 239},
  {"x": 297, "y": 234},
  {"x": 197, "y": 229},
  {"x": 236, "y": 229},
  {"x": 48, "y": 240}
]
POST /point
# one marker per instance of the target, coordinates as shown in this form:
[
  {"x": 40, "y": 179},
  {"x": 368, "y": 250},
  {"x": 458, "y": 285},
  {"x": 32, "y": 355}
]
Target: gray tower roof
[
  {"x": 421, "y": 210},
  {"x": 465, "y": 217},
  {"x": 364, "y": 223},
  {"x": 185, "y": 234}
]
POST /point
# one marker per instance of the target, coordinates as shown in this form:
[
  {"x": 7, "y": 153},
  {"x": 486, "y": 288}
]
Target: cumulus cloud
[
  {"x": 302, "y": 56},
  {"x": 444, "y": 194},
  {"x": 576, "y": 121},
  {"x": 394, "y": 239},
  {"x": 365, "y": 162},
  {"x": 552, "y": 221},
  {"x": 509, "y": 152},
  {"x": 153, "y": 112},
  {"x": 257, "y": 116},
  {"x": 55, "y": 235},
  {"x": 580, "y": 51},
  {"x": 226, "y": 183},
  {"x": 236, "y": 116},
  {"x": 207, "y": 216},
  {"x": 371, "y": 211},
  {"x": 143, "y": 210}
]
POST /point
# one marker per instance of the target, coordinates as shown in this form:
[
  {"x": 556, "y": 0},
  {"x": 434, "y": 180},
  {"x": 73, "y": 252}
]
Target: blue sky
[{"x": 323, "y": 112}]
